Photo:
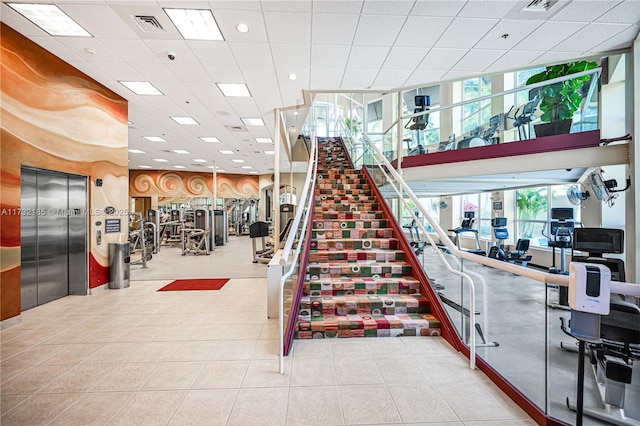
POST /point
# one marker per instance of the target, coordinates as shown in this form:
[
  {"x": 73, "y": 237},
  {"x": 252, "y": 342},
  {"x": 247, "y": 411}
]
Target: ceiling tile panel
[
  {"x": 253, "y": 54},
  {"x": 513, "y": 59},
  {"x": 228, "y": 20},
  {"x": 287, "y": 27},
  {"x": 287, "y": 5},
  {"x": 477, "y": 60},
  {"x": 132, "y": 51},
  {"x": 326, "y": 78},
  {"x": 190, "y": 72},
  {"x": 590, "y": 36},
  {"x": 337, "y": 7},
  {"x": 517, "y": 31},
  {"x": 548, "y": 35},
  {"x": 82, "y": 46},
  {"x": 355, "y": 78},
  {"x": 424, "y": 77},
  {"x": 57, "y": 48},
  {"x": 264, "y": 92},
  {"x": 367, "y": 56},
  {"x": 621, "y": 40},
  {"x": 329, "y": 28},
  {"x": 211, "y": 53},
  {"x": 99, "y": 20},
  {"x": 421, "y": 31},
  {"x": 291, "y": 55},
  {"x": 302, "y": 76},
  {"x": 179, "y": 47},
  {"x": 486, "y": 9},
  {"x": 403, "y": 58},
  {"x": 441, "y": 59},
  {"x": 225, "y": 73},
  {"x": 20, "y": 23},
  {"x": 438, "y": 7},
  {"x": 396, "y": 7},
  {"x": 390, "y": 78},
  {"x": 465, "y": 33},
  {"x": 555, "y": 57},
  {"x": 255, "y": 76},
  {"x": 584, "y": 10},
  {"x": 120, "y": 71},
  {"x": 154, "y": 72},
  {"x": 329, "y": 55},
  {"x": 627, "y": 12},
  {"x": 378, "y": 30},
  {"x": 236, "y": 4}
]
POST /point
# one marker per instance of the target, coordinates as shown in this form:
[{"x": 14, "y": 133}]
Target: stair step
[
  {"x": 368, "y": 326},
  {"x": 335, "y": 173},
  {"x": 319, "y": 215},
  {"x": 343, "y": 180},
  {"x": 349, "y": 207},
  {"x": 371, "y": 304},
  {"x": 351, "y": 224},
  {"x": 330, "y": 234},
  {"x": 357, "y": 286},
  {"x": 356, "y": 256},
  {"x": 363, "y": 270},
  {"x": 343, "y": 191},
  {"x": 336, "y": 198},
  {"x": 355, "y": 244}
]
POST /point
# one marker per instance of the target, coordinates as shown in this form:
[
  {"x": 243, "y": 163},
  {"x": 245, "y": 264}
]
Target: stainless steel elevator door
[{"x": 54, "y": 236}]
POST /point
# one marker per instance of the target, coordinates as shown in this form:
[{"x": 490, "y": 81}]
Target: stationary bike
[{"x": 518, "y": 256}]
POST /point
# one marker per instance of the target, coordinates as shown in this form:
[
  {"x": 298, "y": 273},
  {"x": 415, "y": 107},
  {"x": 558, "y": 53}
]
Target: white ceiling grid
[{"x": 327, "y": 44}]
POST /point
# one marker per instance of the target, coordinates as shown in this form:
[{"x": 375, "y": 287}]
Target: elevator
[{"x": 53, "y": 231}]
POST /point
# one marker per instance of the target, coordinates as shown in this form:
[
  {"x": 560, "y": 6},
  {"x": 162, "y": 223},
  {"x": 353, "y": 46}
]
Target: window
[
  {"x": 484, "y": 225},
  {"x": 532, "y": 214},
  {"x": 475, "y": 114}
]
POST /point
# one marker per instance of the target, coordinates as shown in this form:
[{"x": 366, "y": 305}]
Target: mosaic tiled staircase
[{"x": 358, "y": 283}]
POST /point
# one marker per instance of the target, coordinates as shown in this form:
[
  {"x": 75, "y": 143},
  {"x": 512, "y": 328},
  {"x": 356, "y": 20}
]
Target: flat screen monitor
[
  {"x": 499, "y": 222},
  {"x": 598, "y": 240},
  {"x": 562, "y": 213},
  {"x": 422, "y": 100},
  {"x": 469, "y": 215}
]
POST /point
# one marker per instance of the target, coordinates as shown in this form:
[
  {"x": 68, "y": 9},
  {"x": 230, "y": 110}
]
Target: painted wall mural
[
  {"x": 55, "y": 117},
  {"x": 174, "y": 186}
]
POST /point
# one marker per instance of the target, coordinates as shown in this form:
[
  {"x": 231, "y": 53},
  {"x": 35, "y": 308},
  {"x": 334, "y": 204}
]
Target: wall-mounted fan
[
  {"x": 605, "y": 190},
  {"x": 575, "y": 196}
]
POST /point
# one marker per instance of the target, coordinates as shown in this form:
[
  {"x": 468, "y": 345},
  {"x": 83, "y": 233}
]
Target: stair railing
[{"x": 296, "y": 236}]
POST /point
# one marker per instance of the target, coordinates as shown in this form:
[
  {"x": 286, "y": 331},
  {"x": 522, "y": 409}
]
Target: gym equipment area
[{"x": 518, "y": 255}]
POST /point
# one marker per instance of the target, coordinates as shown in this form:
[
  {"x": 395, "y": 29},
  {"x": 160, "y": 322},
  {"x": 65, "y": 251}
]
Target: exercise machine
[
  {"x": 153, "y": 222},
  {"x": 465, "y": 227},
  {"x": 609, "y": 329},
  {"x": 518, "y": 256},
  {"x": 196, "y": 234},
  {"x": 523, "y": 116},
  {"x": 138, "y": 239},
  {"x": 560, "y": 236},
  {"x": 416, "y": 243},
  {"x": 261, "y": 230},
  {"x": 418, "y": 124}
]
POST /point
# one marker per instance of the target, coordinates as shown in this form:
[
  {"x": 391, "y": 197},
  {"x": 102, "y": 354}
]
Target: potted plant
[
  {"x": 559, "y": 101},
  {"x": 354, "y": 125}
]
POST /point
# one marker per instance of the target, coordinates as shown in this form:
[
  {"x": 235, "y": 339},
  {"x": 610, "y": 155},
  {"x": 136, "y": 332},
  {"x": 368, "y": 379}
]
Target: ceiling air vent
[
  {"x": 538, "y": 5},
  {"x": 149, "y": 24}
]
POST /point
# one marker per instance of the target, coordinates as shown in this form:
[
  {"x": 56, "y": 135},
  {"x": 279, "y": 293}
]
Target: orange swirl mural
[
  {"x": 55, "y": 117},
  {"x": 184, "y": 185}
]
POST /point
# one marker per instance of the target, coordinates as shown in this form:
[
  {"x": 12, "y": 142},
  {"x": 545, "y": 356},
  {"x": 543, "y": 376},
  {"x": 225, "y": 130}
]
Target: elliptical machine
[{"x": 418, "y": 123}]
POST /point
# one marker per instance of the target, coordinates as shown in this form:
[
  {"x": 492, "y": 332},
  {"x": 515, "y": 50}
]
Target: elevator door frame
[{"x": 72, "y": 215}]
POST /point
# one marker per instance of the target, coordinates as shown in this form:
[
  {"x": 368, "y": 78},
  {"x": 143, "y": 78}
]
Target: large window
[
  {"x": 480, "y": 205},
  {"x": 475, "y": 114}
]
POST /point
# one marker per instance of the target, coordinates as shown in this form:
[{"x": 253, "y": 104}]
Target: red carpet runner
[{"x": 197, "y": 284}]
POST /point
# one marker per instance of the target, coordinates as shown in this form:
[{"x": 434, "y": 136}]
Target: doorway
[{"x": 53, "y": 232}]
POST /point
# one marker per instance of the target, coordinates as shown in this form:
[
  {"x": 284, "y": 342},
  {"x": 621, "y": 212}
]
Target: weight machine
[
  {"x": 139, "y": 239},
  {"x": 196, "y": 233}
]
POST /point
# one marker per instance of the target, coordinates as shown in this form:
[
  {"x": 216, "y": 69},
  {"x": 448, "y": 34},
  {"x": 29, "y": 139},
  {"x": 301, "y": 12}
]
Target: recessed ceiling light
[
  {"x": 221, "y": 170},
  {"x": 160, "y": 160},
  {"x": 185, "y": 120},
  {"x": 292, "y": 76},
  {"x": 50, "y": 19},
  {"x": 195, "y": 24},
  {"x": 136, "y": 151},
  {"x": 233, "y": 89},
  {"x": 295, "y": 112},
  {"x": 253, "y": 173},
  {"x": 247, "y": 167},
  {"x": 264, "y": 140},
  {"x": 180, "y": 151},
  {"x": 199, "y": 160},
  {"x": 210, "y": 139},
  {"x": 145, "y": 167},
  {"x": 237, "y": 160},
  {"x": 179, "y": 167},
  {"x": 253, "y": 121},
  {"x": 225, "y": 152},
  {"x": 243, "y": 28},
  {"x": 141, "y": 88},
  {"x": 270, "y": 152},
  {"x": 154, "y": 139}
]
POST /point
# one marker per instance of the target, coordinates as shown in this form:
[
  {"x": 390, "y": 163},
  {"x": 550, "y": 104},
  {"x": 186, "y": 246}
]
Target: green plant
[
  {"x": 354, "y": 124},
  {"x": 530, "y": 202},
  {"x": 559, "y": 101}
]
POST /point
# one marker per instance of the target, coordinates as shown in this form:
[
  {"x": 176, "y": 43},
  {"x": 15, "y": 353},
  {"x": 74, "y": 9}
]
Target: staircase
[{"x": 358, "y": 283}]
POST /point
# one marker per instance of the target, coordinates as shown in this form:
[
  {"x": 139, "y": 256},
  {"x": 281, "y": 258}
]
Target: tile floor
[{"x": 140, "y": 357}]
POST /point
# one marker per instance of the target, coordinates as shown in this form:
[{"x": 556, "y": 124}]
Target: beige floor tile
[
  {"x": 221, "y": 374},
  {"x": 38, "y": 409},
  {"x": 428, "y": 346},
  {"x": 451, "y": 368},
  {"x": 126, "y": 377},
  {"x": 269, "y": 330},
  {"x": 93, "y": 409},
  {"x": 80, "y": 378},
  {"x": 149, "y": 408},
  {"x": 502, "y": 423},
  {"x": 387, "y": 347},
  {"x": 401, "y": 369},
  {"x": 172, "y": 332},
  {"x": 111, "y": 352},
  {"x": 138, "y": 334},
  {"x": 34, "y": 378},
  {"x": 74, "y": 353},
  {"x": 205, "y": 407},
  {"x": 318, "y": 405},
  {"x": 9, "y": 372},
  {"x": 367, "y": 404},
  {"x": 357, "y": 372},
  {"x": 265, "y": 374},
  {"x": 350, "y": 349},
  {"x": 472, "y": 402},
  {"x": 421, "y": 402},
  {"x": 312, "y": 348},
  {"x": 263, "y": 406},
  {"x": 33, "y": 355},
  {"x": 233, "y": 350},
  {"x": 266, "y": 349},
  {"x": 199, "y": 350},
  {"x": 207, "y": 333},
  {"x": 317, "y": 372},
  {"x": 11, "y": 401},
  {"x": 174, "y": 375},
  {"x": 152, "y": 351},
  {"x": 242, "y": 331}
]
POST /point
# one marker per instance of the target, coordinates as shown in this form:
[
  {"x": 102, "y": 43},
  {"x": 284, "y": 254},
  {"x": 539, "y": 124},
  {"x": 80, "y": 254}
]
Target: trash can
[{"x": 119, "y": 265}]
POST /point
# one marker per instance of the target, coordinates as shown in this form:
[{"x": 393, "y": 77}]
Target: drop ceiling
[{"x": 327, "y": 44}]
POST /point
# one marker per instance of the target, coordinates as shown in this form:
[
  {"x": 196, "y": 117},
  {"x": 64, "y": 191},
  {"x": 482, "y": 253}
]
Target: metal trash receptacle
[{"x": 119, "y": 265}]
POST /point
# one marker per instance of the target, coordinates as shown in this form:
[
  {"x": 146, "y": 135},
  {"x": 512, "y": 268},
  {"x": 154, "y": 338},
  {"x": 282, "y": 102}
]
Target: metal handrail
[{"x": 296, "y": 256}]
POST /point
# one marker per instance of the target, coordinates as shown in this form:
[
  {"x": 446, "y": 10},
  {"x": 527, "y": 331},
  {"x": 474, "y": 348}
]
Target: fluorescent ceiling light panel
[
  {"x": 180, "y": 151},
  {"x": 270, "y": 152},
  {"x": 253, "y": 121},
  {"x": 233, "y": 89},
  {"x": 264, "y": 140},
  {"x": 247, "y": 167},
  {"x": 136, "y": 151},
  {"x": 253, "y": 173},
  {"x": 199, "y": 160},
  {"x": 237, "y": 160},
  {"x": 145, "y": 167},
  {"x": 210, "y": 139},
  {"x": 142, "y": 88},
  {"x": 50, "y": 18},
  {"x": 179, "y": 167},
  {"x": 160, "y": 160},
  {"x": 185, "y": 120},
  {"x": 154, "y": 139},
  {"x": 195, "y": 24},
  {"x": 222, "y": 170},
  {"x": 225, "y": 152}
]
